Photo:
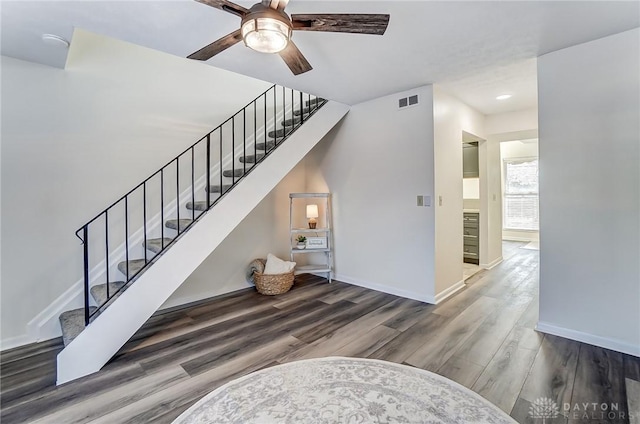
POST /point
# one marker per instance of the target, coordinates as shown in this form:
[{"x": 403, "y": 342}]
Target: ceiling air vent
[{"x": 407, "y": 101}]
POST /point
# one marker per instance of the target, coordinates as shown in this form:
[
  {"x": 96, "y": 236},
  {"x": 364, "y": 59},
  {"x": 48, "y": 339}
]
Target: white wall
[
  {"x": 516, "y": 149},
  {"x": 589, "y": 98},
  {"x": 501, "y": 125},
  {"x": 75, "y": 140},
  {"x": 375, "y": 163},
  {"x": 264, "y": 230},
  {"x": 451, "y": 118}
]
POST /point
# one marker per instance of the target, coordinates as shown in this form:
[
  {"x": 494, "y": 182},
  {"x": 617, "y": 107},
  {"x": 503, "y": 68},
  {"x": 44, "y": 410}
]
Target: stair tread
[
  {"x": 174, "y": 223},
  {"x": 72, "y": 323},
  {"x": 297, "y": 112},
  {"x": 135, "y": 265},
  {"x": 237, "y": 172},
  {"x": 99, "y": 291},
  {"x": 198, "y": 205},
  {"x": 279, "y": 133},
  {"x": 269, "y": 145},
  {"x": 155, "y": 245},
  {"x": 291, "y": 121},
  {"x": 216, "y": 188},
  {"x": 251, "y": 158},
  {"x": 314, "y": 101}
]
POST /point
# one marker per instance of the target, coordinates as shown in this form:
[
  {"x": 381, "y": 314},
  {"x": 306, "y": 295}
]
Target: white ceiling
[{"x": 475, "y": 49}]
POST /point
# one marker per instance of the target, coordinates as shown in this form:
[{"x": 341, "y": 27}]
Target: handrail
[{"x": 253, "y": 109}]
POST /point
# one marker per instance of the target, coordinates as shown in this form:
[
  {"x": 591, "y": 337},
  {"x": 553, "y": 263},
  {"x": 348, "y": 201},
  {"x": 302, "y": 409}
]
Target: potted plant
[{"x": 301, "y": 242}]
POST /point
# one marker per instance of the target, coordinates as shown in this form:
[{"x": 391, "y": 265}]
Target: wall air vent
[{"x": 407, "y": 101}]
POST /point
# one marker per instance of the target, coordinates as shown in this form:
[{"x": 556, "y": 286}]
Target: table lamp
[{"x": 312, "y": 214}]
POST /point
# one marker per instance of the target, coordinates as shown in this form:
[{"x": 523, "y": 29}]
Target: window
[{"x": 521, "y": 194}]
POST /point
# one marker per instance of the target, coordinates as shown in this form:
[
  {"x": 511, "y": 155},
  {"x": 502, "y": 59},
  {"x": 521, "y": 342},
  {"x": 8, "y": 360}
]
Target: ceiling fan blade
[
  {"x": 227, "y": 6},
  {"x": 341, "y": 22},
  {"x": 207, "y": 52},
  {"x": 294, "y": 59}
]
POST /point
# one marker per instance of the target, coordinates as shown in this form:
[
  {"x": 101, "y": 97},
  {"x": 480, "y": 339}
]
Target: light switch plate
[{"x": 420, "y": 200}]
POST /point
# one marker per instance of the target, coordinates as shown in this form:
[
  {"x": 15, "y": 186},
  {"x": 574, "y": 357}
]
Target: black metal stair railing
[{"x": 238, "y": 135}]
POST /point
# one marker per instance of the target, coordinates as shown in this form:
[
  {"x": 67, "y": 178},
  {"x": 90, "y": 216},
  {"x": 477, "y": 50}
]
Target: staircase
[{"x": 143, "y": 246}]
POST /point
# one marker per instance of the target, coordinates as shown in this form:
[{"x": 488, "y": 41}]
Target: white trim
[
  {"x": 492, "y": 264},
  {"x": 11, "y": 342},
  {"x": 512, "y": 238},
  {"x": 592, "y": 339},
  {"x": 385, "y": 289},
  {"x": 177, "y": 302},
  {"x": 450, "y": 291}
]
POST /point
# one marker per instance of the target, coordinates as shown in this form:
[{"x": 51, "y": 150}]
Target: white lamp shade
[{"x": 312, "y": 211}]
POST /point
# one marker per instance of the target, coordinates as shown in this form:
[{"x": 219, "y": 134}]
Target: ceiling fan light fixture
[{"x": 266, "y": 31}]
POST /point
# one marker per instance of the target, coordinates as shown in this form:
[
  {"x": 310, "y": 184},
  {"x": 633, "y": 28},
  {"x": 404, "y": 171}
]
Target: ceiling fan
[{"x": 265, "y": 27}]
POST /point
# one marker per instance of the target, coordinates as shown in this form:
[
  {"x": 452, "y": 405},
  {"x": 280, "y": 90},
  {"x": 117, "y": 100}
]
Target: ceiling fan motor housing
[{"x": 265, "y": 29}]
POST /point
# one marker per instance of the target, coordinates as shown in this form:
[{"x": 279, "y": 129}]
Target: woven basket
[{"x": 273, "y": 284}]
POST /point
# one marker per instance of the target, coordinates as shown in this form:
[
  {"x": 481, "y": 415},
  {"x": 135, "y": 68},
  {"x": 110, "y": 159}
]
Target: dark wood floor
[{"x": 482, "y": 338}]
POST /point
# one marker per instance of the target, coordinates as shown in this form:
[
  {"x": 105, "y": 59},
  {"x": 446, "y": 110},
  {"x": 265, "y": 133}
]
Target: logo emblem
[{"x": 544, "y": 408}]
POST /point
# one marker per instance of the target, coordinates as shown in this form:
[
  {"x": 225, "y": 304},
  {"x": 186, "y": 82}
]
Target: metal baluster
[
  {"x": 284, "y": 111},
  {"x": 233, "y": 150},
  {"x": 144, "y": 218},
  {"x": 193, "y": 183},
  {"x": 255, "y": 135},
  {"x": 220, "y": 164},
  {"x": 265, "y": 121},
  {"x": 162, "y": 208},
  {"x": 85, "y": 248},
  {"x": 106, "y": 245},
  {"x": 244, "y": 141},
  {"x": 178, "y": 191},
  {"x": 275, "y": 130},
  {"x": 126, "y": 233},
  {"x": 293, "y": 118},
  {"x": 301, "y": 108},
  {"x": 208, "y": 171}
]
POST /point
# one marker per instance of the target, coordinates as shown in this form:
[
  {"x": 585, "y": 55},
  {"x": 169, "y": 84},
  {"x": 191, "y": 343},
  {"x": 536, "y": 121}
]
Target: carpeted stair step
[
  {"x": 135, "y": 265},
  {"x": 99, "y": 291},
  {"x": 278, "y": 133},
  {"x": 314, "y": 102},
  {"x": 269, "y": 145},
  {"x": 297, "y": 111},
  {"x": 251, "y": 158},
  {"x": 72, "y": 323},
  {"x": 173, "y": 224},
  {"x": 233, "y": 173},
  {"x": 200, "y": 205},
  {"x": 155, "y": 245},
  {"x": 216, "y": 188},
  {"x": 289, "y": 122}
]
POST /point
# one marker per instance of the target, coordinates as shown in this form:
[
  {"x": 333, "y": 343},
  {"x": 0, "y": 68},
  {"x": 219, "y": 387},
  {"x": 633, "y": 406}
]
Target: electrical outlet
[
  {"x": 427, "y": 200},
  {"x": 439, "y": 200}
]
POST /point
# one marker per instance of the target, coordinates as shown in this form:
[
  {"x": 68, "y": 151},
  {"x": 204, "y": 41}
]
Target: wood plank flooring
[{"x": 483, "y": 338}]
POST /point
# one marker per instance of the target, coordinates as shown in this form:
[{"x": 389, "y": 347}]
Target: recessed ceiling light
[
  {"x": 503, "y": 97},
  {"x": 55, "y": 40}
]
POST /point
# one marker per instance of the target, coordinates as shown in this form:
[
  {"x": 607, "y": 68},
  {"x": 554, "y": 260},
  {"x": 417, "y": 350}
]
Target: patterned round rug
[{"x": 343, "y": 390}]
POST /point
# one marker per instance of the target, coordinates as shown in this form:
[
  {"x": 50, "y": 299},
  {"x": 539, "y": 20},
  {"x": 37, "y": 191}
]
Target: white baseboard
[
  {"x": 579, "y": 336},
  {"x": 492, "y": 264},
  {"x": 422, "y": 297},
  {"x": 447, "y": 293},
  {"x": 11, "y": 342}
]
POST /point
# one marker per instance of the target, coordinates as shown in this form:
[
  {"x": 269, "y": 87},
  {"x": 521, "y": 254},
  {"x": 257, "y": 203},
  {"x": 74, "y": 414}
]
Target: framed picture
[{"x": 316, "y": 242}]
